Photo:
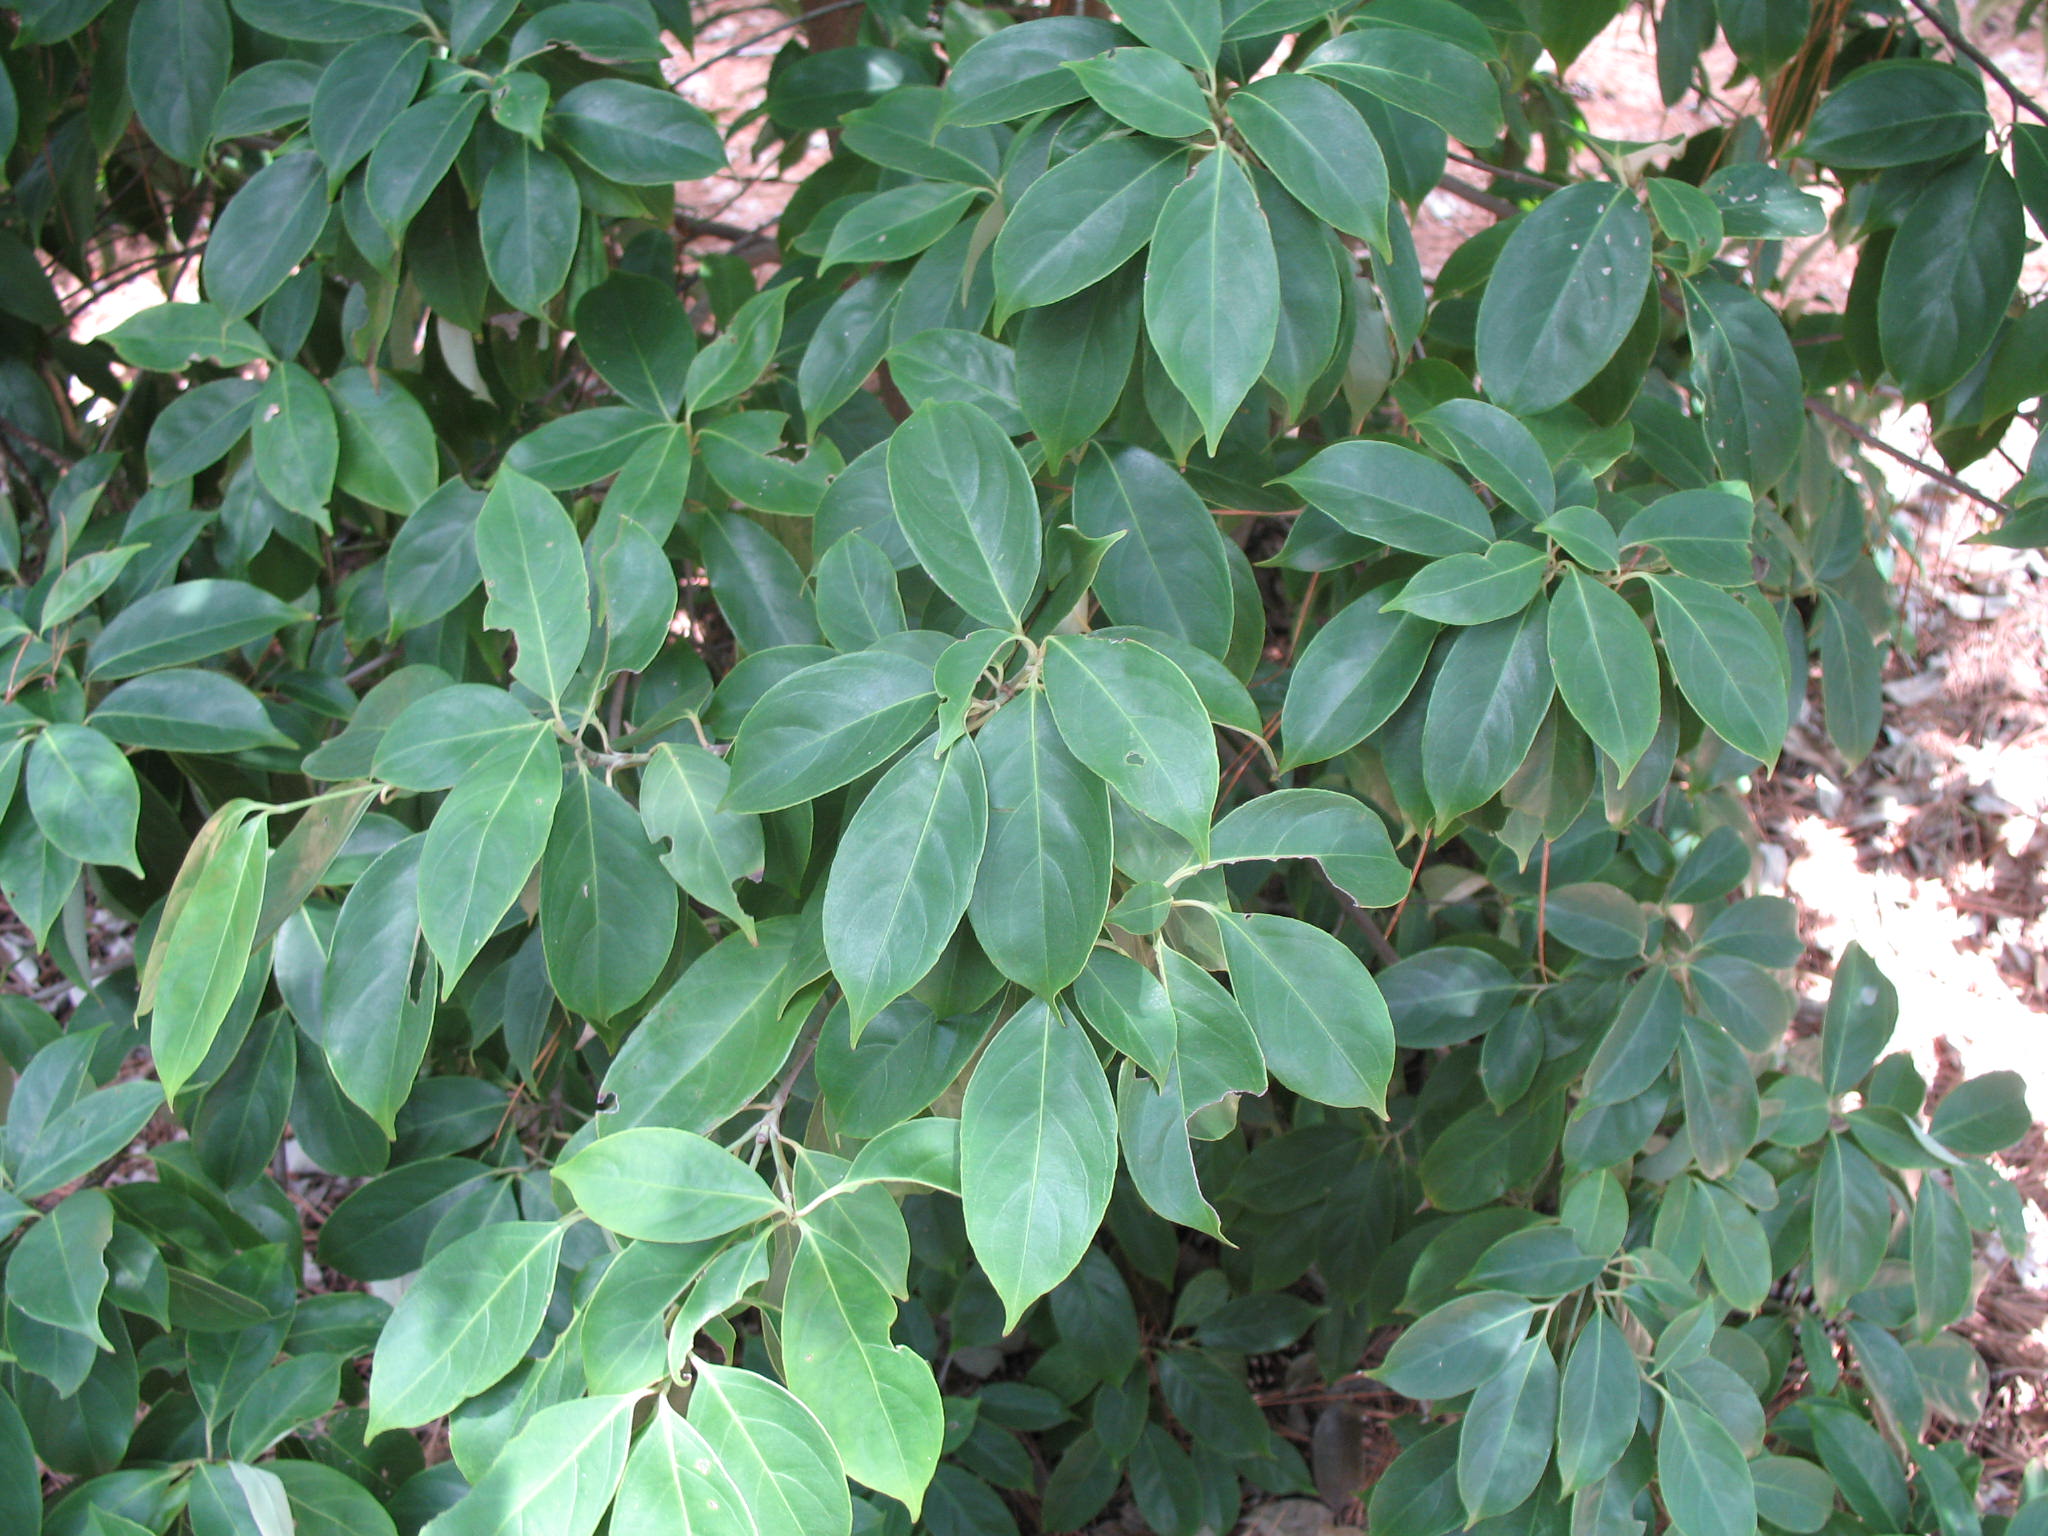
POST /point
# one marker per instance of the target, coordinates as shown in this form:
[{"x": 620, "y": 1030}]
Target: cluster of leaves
[{"x": 744, "y": 822}]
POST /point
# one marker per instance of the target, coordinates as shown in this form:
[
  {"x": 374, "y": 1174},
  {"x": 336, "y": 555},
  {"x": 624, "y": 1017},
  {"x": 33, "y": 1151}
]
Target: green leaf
[
  {"x": 1722, "y": 1112},
  {"x": 1354, "y": 673},
  {"x": 58, "y": 1272},
  {"x": 965, "y": 504},
  {"x": 1564, "y": 292},
  {"x": 1457, "y": 1346},
  {"x": 1212, "y": 290},
  {"x": 1037, "y": 1155},
  {"x": 1791, "y": 1494},
  {"x": 1126, "y": 1005},
  {"x": 264, "y": 232},
  {"x": 1851, "y": 678},
  {"x": 635, "y": 332},
  {"x": 1042, "y": 890},
  {"x": 185, "y": 623},
  {"x": 166, "y": 337},
  {"x": 1083, "y": 219},
  {"x": 826, "y": 725},
  {"x": 84, "y": 795},
  {"x": 1418, "y": 73},
  {"x": 732, "y": 363},
  {"x": 1190, "y": 30},
  {"x": 1949, "y": 276},
  {"x": 1983, "y": 1115},
  {"x": 296, "y": 442},
  {"x": 179, "y": 56},
  {"x": 584, "y": 447},
  {"x": 361, "y": 92},
  {"x": 199, "y": 427},
  {"x": 373, "y": 1026},
  {"x": 902, "y": 875},
  {"x": 607, "y": 907},
  {"x": 1337, "y": 831},
  {"x": 897, "y": 224},
  {"x": 1474, "y": 589},
  {"x": 556, "y": 1476},
  {"x": 1852, "y": 1223},
  {"x": 1392, "y": 493},
  {"x": 291, "y": 1393},
  {"x": 1640, "y": 1043},
  {"x": 1747, "y": 378},
  {"x": 432, "y": 563},
  {"x": 1728, "y": 665},
  {"x": 388, "y": 456},
  {"x": 675, "y": 1481},
  {"x": 414, "y": 154},
  {"x": 325, "y": 1502},
  {"x": 1702, "y": 1474},
  {"x": 231, "y": 1498},
  {"x": 1863, "y": 1010},
  {"x": 1318, "y": 146},
  {"x": 533, "y": 572},
  {"x": 1446, "y": 995},
  {"x": 205, "y": 953},
  {"x": 877, "y": 1400},
  {"x": 711, "y": 849},
  {"x": 483, "y": 844},
  {"x": 1497, "y": 449},
  {"x": 1418, "y": 1494},
  {"x": 1147, "y": 89},
  {"x": 637, "y": 134},
  {"x": 1132, "y": 717},
  {"x": 1942, "y": 1281},
  {"x": 21, "y": 1493},
  {"x": 1015, "y": 71},
  {"x": 529, "y": 219},
  {"x": 1484, "y": 710},
  {"x": 713, "y": 1039},
  {"x": 1861, "y": 1463},
  {"x": 774, "y": 1449},
  {"x": 1897, "y": 112},
  {"x": 1598, "y": 1399},
  {"x": 464, "y": 1322},
  {"x": 1168, "y": 571},
  {"x": 1596, "y": 919},
  {"x": 1504, "y": 1439},
  {"x": 439, "y": 738},
  {"x": 1320, "y": 1019},
  {"x": 664, "y": 1186},
  {"x": 1605, "y": 665},
  {"x": 1073, "y": 359},
  {"x": 1704, "y": 533}
]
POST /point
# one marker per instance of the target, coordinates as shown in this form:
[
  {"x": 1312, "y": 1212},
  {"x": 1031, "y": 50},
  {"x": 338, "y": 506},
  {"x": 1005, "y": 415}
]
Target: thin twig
[
  {"x": 1361, "y": 919},
  {"x": 762, "y": 36},
  {"x": 1500, "y": 207},
  {"x": 1940, "y": 477},
  {"x": 1977, "y": 56}
]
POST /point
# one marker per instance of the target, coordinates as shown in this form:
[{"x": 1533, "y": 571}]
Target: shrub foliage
[{"x": 873, "y": 880}]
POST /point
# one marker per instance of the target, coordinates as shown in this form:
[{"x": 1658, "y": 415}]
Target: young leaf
[{"x": 206, "y": 952}]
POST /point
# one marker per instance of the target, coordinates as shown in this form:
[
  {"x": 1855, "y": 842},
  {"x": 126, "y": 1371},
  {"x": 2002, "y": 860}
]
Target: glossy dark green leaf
[
  {"x": 965, "y": 504},
  {"x": 1748, "y": 379},
  {"x": 483, "y": 845},
  {"x": 1392, "y": 493},
  {"x": 414, "y": 153},
  {"x": 1504, "y": 1440},
  {"x": 1354, "y": 673},
  {"x": 1211, "y": 290},
  {"x": 903, "y": 874},
  {"x": 372, "y": 1025},
  {"x": 1605, "y": 665},
  {"x": 529, "y": 219},
  {"x": 1718, "y": 651},
  {"x": 1168, "y": 571},
  {"x": 533, "y": 572},
  {"x": 1042, "y": 889},
  {"x": 1986, "y": 1114},
  {"x": 1863, "y": 1010},
  {"x": 1457, "y": 1346},
  {"x": 1484, "y": 709},
  {"x": 1474, "y": 589},
  {"x": 361, "y": 92},
  {"x": 1949, "y": 276},
  {"x": 1852, "y": 1222},
  {"x": 1897, "y": 112},
  {"x": 84, "y": 795},
  {"x": 1321, "y": 1022},
  {"x": 1015, "y": 71},
  {"x": 1083, "y": 219},
  {"x": 1564, "y": 292},
  {"x": 179, "y": 56},
  {"x": 637, "y": 134},
  {"x": 296, "y": 442},
  {"x": 607, "y": 907},
  {"x": 1133, "y": 718},
  {"x": 1318, "y": 146},
  {"x": 1419, "y": 73},
  {"x": 1037, "y": 1154},
  {"x": 826, "y": 725},
  {"x": 264, "y": 232},
  {"x": 1597, "y": 1403},
  {"x": 1337, "y": 831},
  {"x": 388, "y": 457}
]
